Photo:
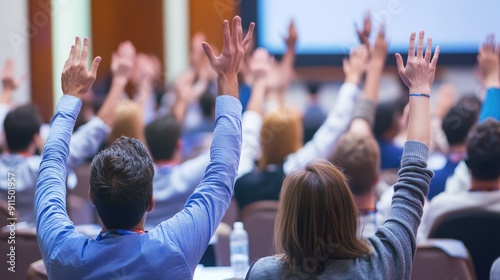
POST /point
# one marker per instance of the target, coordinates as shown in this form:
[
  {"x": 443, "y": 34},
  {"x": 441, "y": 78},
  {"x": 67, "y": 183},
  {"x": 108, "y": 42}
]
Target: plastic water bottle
[{"x": 239, "y": 250}]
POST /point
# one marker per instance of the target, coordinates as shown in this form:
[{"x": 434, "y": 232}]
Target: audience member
[
  {"x": 456, "y": 125},
  {"x": 317, "y": 218},
  {"x": 357, "y": 152},
  {"x": 121, "y": 186}
]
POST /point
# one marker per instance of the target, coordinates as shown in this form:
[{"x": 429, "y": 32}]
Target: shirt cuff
[
  {"x": 227, "y": 105},
  {"x": 415, "y": 150},
  {"x": 69, "y": 104}
]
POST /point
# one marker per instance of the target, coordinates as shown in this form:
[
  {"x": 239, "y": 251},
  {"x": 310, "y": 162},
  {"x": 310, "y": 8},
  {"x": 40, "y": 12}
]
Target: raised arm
[
  {"x": 399, "y": 230},
  {"x": 488, "y": 60},
  {"x": 260, "y": 65},
  {"x": 50, "y": 196},
  {"x": 364, "y": 113},
  {"x": 87, "y": 140},
  {"x": 206, "y": 206},
  {"x": 338, "y": 119}
]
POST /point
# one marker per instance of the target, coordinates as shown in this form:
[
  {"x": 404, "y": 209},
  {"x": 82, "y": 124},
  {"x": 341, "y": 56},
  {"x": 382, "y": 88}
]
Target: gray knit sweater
[{"x": 394, "y": 242}]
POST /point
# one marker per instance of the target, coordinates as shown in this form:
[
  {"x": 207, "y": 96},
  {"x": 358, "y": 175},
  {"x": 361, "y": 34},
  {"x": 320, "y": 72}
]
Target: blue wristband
[{"x": 420, "y": 94}]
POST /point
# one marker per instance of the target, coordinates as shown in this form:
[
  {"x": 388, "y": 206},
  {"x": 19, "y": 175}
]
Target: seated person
[
  {"x": 316, "y": 222},
  {"x": 357, "y": 154},
  {"x": 121, "y": 186},
  {"x": 456, "y": 125},
  {"x": 483, "y": 161},
  {"x": 386, "y": 128}
]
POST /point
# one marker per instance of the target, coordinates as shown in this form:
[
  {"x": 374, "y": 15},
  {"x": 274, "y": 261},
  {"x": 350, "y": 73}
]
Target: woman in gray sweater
[{"x": 317, "y": 218}]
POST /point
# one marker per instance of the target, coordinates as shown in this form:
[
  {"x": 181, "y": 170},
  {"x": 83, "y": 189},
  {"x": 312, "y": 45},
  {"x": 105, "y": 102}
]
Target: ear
[
  {"x": 376, "y": 180},
  {"x": 38, "y": 142},
  {"x": 91, "y": 199},
  {"x": 151, "y": 204},
  {"x": 180, "y": 144}
]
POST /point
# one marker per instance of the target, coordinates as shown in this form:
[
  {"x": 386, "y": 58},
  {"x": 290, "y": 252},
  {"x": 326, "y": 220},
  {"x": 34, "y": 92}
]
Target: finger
[
  {"x": 345, "y": 63},
  {"x": 497, "y": 49},
  {"x": 70, "y": 57},
  {"x": 234, "y": 35},
  {"x": 428, "y": 50},
  {"x": 436, "y": 57},
  {"x": 208, "y": 52},
  {"x": 399, "y": 63},
  {"x": 95, "y": 66},
  {"x": 85, "y": 50},
  {"x": 420, "y": 47},
  {"x": 249, "y": 36},
  {"x": 411, "y": 48},
  {"x": 227, "y": 35},
  {"x": 76, "y": 49},
  {"x": 381, "y": 31},
  {"x": 239, "y": 32}
]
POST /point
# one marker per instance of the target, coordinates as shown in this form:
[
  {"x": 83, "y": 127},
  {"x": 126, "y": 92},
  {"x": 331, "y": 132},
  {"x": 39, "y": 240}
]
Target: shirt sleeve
[
  {"x": 328, "y": 134},
  {"x": 86, "y": 141},
  {"x": 191, "y": 229},
  {"x": 490, "y": 106},
  {"x": 52, "y": 220},
  {"x": 252, "y": 124}
]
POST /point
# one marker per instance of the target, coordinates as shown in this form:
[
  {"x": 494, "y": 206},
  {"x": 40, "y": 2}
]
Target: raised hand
[
  {"x": 379, "y": 52},
  {"x": 418, "y": 75},
  {"x": 76, "y": 79},
  {"x": 364, "y": 35},
  {"x": 261, "y": 64},
  {"x": 355, "y": 66},
  {"x": 123, "y": 60},
  {"x": 489, "y": 64},
  {"x": 229, "y": 62},
  {"x": 9, "y": 81},
  {"x": 291, "y": 40}
]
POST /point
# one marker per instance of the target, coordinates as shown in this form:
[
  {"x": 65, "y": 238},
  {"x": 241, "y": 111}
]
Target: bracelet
[{"x": 420, "y": 94}]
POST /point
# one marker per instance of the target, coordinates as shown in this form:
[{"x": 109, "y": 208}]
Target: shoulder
[{"x": 267, "y": 268}]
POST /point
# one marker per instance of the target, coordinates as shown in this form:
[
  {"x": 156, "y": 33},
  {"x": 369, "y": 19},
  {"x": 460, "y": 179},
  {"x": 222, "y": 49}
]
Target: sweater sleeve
[
  {"x": 192, "y": 228},
  {"x": 52, "y": 221},
  {"x": 396, "y": 238}
]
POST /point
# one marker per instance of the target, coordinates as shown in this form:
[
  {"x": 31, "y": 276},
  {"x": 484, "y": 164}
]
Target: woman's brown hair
[
  {"x": 281, "y": 135},
  {"x": 317, "y": 219}
]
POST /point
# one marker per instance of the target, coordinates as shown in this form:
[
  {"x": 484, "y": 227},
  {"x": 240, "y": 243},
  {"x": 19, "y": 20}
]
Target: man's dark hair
[
  {"x": 162, "y": 135},
  {"x": 121, "y": 183},
  {"x": 483, "y": 151},
  {"x": 460, "y": 119},
  {"x": 207, "y": 103},
  {"x": 20, "y": 126},
  {"x": 385, "y": 116}
]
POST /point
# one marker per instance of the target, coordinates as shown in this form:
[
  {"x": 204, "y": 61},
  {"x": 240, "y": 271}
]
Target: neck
[
  {"x": 164, "y": 162},
  {"x": 366, "y": 201},
  {"x": 483, "y": 185},
  {"x": 458, "y": 148}
]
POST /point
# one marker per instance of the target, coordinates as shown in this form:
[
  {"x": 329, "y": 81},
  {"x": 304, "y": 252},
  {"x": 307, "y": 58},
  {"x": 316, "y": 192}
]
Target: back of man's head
[
  {"x": 483, "y": 151},
  {"x": 20, "y": 126},
  {"x": 460, "y": 119},
  {"x": 162, "y": 136},
  {"x": 387, "y": 118},
  {"x": 359, "y": 157},
  {"x": 121, "y": 183}
]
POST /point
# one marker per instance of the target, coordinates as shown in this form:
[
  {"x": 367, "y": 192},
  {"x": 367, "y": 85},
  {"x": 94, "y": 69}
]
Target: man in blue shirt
[{"x": 121, "y": 186}]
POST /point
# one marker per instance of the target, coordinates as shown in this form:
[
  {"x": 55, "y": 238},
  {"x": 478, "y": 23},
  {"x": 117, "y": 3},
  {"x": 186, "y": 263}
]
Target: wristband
[{"x": 420, "y": 94}]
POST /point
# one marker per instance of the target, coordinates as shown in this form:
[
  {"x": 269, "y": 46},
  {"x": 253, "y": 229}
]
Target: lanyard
[{"x": 117, "y": 232}]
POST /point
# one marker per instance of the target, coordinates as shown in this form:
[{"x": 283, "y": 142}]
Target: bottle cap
[{"x": 238, "y": 225}]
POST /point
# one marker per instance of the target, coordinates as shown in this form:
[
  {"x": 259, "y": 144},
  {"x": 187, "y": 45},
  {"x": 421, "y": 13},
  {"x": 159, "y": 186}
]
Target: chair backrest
[
  {"x": 37, "y": 271},
  {"x": 221, "y": 248},
  {"x": 442, "y": 259},
  {"x": 258, "y": 218},
  {"x": 478, "y": 230},
  {"x": 26, "y": 251}
]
